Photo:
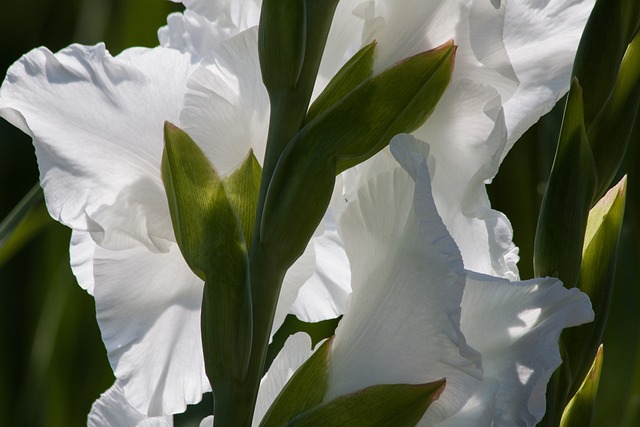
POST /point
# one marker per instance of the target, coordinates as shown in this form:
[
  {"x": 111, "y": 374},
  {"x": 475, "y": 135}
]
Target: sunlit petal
[
  {"x": 402, "y": 323},
  {"x": 112, "y": 409},
  {"x": 516, "y": 327},
  {"x": 295, "y": 352},
  {"x": 96, "y": 122},
  {"x": 541, "y": 37},
  {"x": 148, "y": 309}
]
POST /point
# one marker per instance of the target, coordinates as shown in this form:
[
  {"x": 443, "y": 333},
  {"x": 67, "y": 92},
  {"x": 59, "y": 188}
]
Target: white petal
[
  {"x": 190, "y": 32},
  {"x": 541, "y": 38},
  {"x": 483, "y": 235},
  {"x": 516, "y": 327},
  {"x": 414, "y": 26},
  {"x": 148, "y": 309},
  {"x": 234, "y": 14},
  {"x": 207, "y": 421},
  {"x": 402, "y": 323},
  {"x": 479, "y": 409},
  {"x": 295, "y": 278},
  {"x": 205, "y": 24},
  {"x": 227, "y": 107},
  {"x": 97, "y": 126},
  {"x": 344, "y": 40},
  {"x": 81, "y": 253},
  {"x": 324, "y": 296},
  {"x": 113, "y": 410},
  {"x": 295, "y": 352}
]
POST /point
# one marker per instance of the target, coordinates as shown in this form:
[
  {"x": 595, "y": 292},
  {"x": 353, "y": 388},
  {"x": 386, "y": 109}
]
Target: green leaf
[
  {"x": 305, "y": 390},
  {"x": 242, "y": 188},
  {"x": 317, "y": 331},
  {"x": 579, "y": 411},
  {"x": 610, "y": 132},
  {"x": 282, "y": 42},
  {"x": 24, "y": 222},
  {"x": 211, "y": 239},
  {"x": 33, "y": 198},
  {"x": 354, "y": 72},
  {"x": 377, "y": 406},
  {"x": 567, "y": 199},
  {"x": 352, "y": 130},
  {"x": 597, "y": 273},
  {"x": 610, "y": 28}
]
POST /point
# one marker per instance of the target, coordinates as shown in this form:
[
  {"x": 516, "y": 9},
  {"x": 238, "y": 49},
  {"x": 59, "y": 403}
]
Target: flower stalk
[{"x": 289, "y": 98}]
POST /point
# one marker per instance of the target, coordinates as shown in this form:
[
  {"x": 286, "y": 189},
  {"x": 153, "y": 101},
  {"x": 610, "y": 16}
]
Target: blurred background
[{"x": 53, "y": 365}]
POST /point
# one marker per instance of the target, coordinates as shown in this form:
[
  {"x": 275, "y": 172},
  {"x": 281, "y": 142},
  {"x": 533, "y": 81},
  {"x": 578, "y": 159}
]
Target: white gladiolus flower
[{"x": 96, "y": 123}]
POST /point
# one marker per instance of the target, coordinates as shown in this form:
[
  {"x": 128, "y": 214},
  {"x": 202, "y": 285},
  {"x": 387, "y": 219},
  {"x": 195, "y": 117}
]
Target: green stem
[{"x": 235, "y": 403}]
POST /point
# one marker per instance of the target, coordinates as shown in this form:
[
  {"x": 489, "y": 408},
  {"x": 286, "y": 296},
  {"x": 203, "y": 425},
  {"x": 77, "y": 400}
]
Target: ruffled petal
[
  {"x": 414, "y": 26},
  {"x": 516, "y": 327},
  {"x": 472, "y": 145},
  {"x": 205, "y": 24},
  {"x": 112, "y": 409},
  {"x": 96, "y": 123},
  {"x": 81, "y": 254},
  {"x": 190, "y": 32},
  {"x": 466, "y": 132},
  {"x": 148, "y": 309},
  {"x": 541, "y": 38},
  {"x": 235, "y": 15},
  {"x": 402, "y": 325}
]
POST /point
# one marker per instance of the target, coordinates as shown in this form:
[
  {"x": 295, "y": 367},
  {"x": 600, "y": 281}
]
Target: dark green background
[{"x": 52, "y": 362}]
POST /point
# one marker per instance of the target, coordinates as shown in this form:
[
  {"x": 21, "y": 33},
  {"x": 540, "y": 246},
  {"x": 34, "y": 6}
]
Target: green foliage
[
  {"x": 289, "y": 60},
  {"x": 596, "y": 279},
  {"x": 354, "y": 72},
  {"x": 614, "y": 122},
  {"x": 567, "y": 200},
  {"x": 22, "y": 223},
  {"x": 579, "y": 411},
  {"x": 305, "y": 390},
  {"x": 376, "y": 406},
  {"x": 242, "y": 187},
  {"x": 283, "y": 34},
  {"x": 210, "y": 236},
  {"x": 352, "y": 130},
  {"x": 607, "y": 66},
  {"x": 609, "y": 30}
]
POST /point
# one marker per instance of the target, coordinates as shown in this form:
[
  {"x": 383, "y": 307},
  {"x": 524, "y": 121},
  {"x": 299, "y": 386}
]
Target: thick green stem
[{"x": 235, "y": 402}]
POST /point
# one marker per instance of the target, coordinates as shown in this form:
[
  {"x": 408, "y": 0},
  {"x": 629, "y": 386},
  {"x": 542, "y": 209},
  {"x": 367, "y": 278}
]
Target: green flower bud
[
  {"x": 349, "y": 132},
  {"x": 210, "y": 236},
  {"x": 597, "y": 273},
  {"x": 579, "y": 411}
]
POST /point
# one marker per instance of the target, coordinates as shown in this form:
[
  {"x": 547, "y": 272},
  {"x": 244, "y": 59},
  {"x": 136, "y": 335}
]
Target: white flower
[
  {"x": 96, "y": 122},
  {"x": 416, "y": 315}
]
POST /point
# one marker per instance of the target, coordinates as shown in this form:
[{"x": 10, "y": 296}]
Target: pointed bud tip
[{"x": 439, "y": 387}]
